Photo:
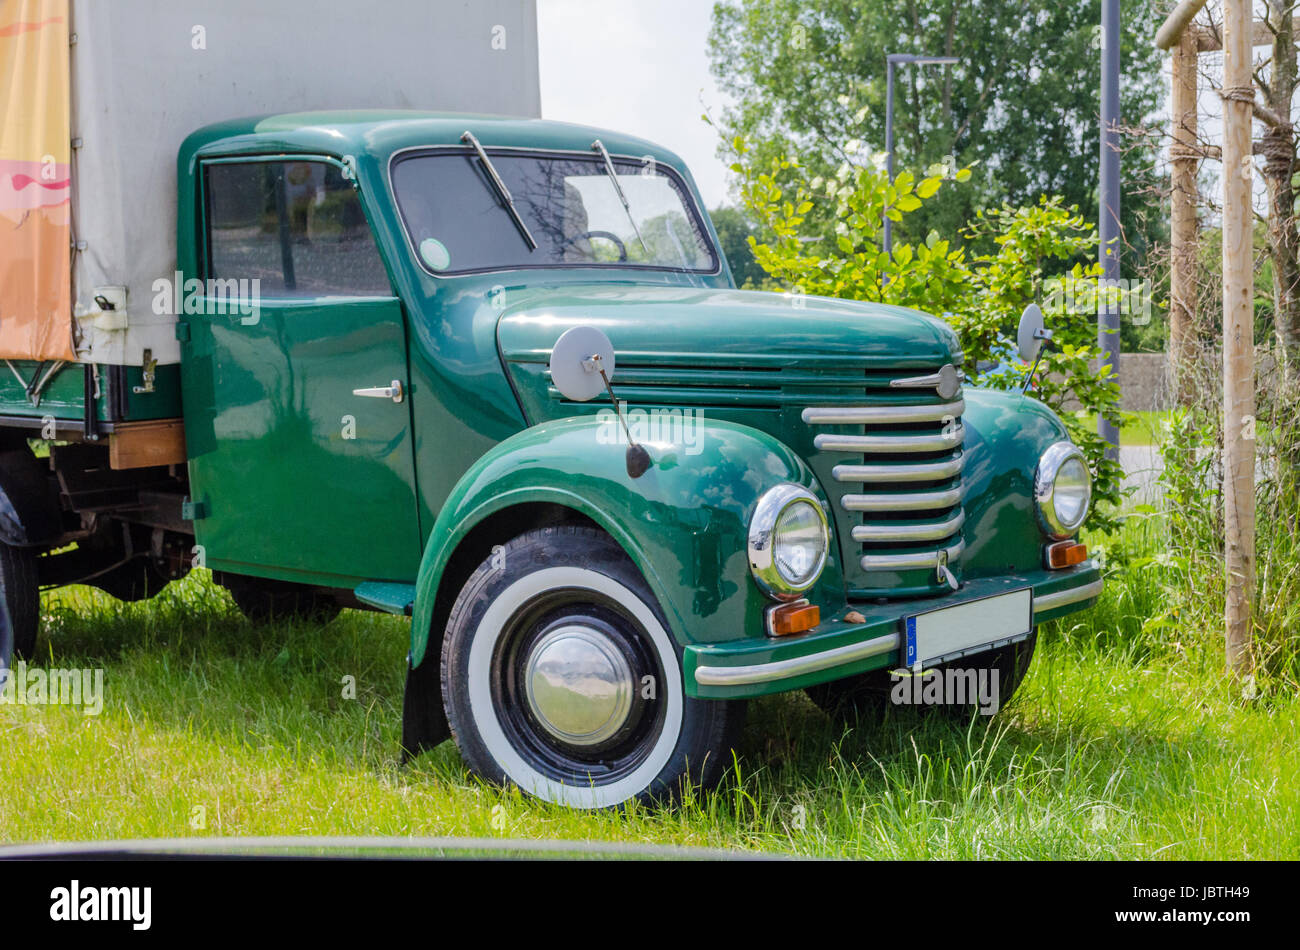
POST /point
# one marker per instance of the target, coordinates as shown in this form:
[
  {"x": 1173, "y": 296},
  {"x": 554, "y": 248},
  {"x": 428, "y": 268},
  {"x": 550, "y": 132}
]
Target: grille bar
[
  {"x": 912, "y": 472},
  {"x": 935, "y": 531},
  {"x": 908, "y": 562},
  {"x": 889, "y": 443},
  {"x": 881, "y": 415},
  {"x": 909, "y": 501}
]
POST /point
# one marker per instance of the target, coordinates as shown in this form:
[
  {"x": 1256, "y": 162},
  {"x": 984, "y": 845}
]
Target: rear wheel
[
  {"x": 20, "y": 606},
  {"x": 559, "y": 675},
  {"x": 870, "y": 693},
  {"x": 263, "y": 600}
]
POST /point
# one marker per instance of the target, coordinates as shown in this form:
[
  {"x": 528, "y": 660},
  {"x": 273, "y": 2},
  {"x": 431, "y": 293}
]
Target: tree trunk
[{"x": 1279, "y": 151}]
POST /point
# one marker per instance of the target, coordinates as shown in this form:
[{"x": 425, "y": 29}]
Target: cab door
[{"x": 294, "y": 372}]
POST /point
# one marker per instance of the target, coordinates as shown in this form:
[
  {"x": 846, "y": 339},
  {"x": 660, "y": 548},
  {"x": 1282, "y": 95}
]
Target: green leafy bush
[{"x": 981, "y": 295}]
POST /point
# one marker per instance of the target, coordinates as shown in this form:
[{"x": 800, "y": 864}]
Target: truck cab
[{"x": 418, "y": 353}]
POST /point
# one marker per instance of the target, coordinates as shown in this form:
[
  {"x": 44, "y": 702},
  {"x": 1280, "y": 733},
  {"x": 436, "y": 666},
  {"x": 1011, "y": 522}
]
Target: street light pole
[
  {"x": 892, "y": 60},
  {"x": 889, "y": 142},
  {"x": 1108, "y": 226}
]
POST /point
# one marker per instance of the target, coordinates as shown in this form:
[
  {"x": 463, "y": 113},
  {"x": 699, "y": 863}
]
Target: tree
[
  {"x": 1278, "y": 82},
  {"x": 1021, "y": 109},
  {"x": 734, "y": 230}
]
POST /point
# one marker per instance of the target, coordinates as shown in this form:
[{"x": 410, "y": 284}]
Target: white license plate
[{"x": 972, "y": 627}]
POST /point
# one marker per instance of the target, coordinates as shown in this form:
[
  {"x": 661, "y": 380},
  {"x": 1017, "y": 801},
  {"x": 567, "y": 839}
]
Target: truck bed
[{"x": 49, "y": 401}]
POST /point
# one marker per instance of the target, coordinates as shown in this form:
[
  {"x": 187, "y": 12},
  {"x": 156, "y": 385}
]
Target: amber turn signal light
[
  {"x": 1066, "y": 554},
  {"x": 792, "y": 618}
]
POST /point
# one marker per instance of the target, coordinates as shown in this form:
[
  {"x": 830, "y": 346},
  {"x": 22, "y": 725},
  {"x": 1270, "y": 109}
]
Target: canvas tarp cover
[{"x": 146, "y": 73}]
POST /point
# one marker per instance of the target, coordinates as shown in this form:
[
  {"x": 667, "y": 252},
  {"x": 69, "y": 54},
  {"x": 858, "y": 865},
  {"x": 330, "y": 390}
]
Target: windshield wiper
[
  {"x": 598, "y": 146},
  {"x": 500, "y": 187}
]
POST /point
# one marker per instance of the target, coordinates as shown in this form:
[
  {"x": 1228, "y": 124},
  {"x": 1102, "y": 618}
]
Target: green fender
[
  {"x": 1006, "y": 435},
  {"x": 684, "y": 523}
]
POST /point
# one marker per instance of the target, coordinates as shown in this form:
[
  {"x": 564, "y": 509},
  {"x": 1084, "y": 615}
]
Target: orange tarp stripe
[{"x": 35, "y": 181}]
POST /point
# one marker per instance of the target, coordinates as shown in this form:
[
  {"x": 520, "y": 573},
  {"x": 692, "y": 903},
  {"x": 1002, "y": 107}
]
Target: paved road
[
  {"x": 1141, "y": 464},
  {"x": 1142, "y": 468}
]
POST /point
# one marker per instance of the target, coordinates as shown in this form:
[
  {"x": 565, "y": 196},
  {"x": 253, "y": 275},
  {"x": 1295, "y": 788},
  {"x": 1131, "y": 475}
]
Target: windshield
[{"x": 458, "y": 220}]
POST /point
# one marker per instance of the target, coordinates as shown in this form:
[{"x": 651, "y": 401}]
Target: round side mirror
[
  {"x": 576, "y": 361},
  {"x": 1032, "y": 333}
]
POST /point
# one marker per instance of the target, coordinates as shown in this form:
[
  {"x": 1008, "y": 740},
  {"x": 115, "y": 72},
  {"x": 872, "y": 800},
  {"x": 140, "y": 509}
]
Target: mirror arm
[
  {"x": 618, "y": 406},
  {"x": 1046, "y": 337},
  {"x": 638, "y": 459}
]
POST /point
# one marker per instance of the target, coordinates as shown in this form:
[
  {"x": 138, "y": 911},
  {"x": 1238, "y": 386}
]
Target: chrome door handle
[{"x": 392, "y": 391}]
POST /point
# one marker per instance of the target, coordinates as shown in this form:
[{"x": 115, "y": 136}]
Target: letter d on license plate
[{"x": 947, "y": 633}]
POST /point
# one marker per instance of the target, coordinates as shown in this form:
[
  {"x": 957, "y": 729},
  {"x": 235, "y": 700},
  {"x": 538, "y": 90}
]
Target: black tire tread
[{"x": 22, "y": 594}]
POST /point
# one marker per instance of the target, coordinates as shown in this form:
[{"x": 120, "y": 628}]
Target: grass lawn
[{"x": 1108, "y": 751}]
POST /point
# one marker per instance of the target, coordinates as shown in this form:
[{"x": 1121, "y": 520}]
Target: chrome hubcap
[{"x": 579, "y": 684}]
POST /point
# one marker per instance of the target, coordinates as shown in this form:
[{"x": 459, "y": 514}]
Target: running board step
[{"x": 386, "y": 596}]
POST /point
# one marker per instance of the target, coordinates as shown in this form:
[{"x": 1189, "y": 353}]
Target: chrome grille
[{"x": 900, "y": 478}]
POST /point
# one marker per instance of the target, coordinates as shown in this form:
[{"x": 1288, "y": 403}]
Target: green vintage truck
[{"x": 371, "y": 410}]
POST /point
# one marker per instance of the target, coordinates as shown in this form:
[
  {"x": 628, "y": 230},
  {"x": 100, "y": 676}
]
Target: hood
[
  {"x": 696, "y": 327},
  {"x": 748, "y": 357}
]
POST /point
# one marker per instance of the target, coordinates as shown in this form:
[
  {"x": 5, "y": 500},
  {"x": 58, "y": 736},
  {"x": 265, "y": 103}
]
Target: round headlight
[
  {"x": 788, "y": 540},
  {"x": 1063, "y": 489}
]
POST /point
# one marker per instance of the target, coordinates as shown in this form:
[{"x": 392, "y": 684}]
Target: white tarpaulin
[{"x": 146, "y": 73}]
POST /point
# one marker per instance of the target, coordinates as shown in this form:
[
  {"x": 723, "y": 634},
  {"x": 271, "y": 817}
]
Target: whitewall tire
[{"x": 560, "y": 676}]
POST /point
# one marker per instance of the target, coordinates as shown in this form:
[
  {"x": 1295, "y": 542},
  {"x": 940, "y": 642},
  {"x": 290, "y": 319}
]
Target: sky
[
  {"x": 639, "y": 68},
  {"x": 1209, "y": 118}
]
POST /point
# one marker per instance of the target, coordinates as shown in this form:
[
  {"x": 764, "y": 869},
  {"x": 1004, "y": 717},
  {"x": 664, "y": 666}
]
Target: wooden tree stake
[
  {"x": 1183, "y": 223},
  {"x": 1238, "y": 338}
]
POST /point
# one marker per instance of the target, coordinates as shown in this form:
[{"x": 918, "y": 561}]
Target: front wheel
[{"x": 559, "y": 675}]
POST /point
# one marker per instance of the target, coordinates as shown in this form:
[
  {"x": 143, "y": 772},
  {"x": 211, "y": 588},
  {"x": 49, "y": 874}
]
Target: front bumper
[{"x": 838, "y": 648}]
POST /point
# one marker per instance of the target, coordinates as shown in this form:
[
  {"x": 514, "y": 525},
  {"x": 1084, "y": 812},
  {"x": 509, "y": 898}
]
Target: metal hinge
[{"x": 147, "y": 374}]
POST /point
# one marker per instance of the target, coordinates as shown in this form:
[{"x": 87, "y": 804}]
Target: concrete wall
[{"x": 1145, "y": 383}]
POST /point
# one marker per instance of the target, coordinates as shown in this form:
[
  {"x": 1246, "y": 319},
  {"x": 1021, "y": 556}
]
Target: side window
[{"x": 297, "y": 227}]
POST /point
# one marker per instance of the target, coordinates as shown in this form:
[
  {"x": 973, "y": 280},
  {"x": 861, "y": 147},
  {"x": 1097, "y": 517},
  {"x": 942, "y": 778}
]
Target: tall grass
[
  {"x": 1121, "y": 744},
  {"x": 1126, "y": 740},
  {"x": 1177, "y": 547}
]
